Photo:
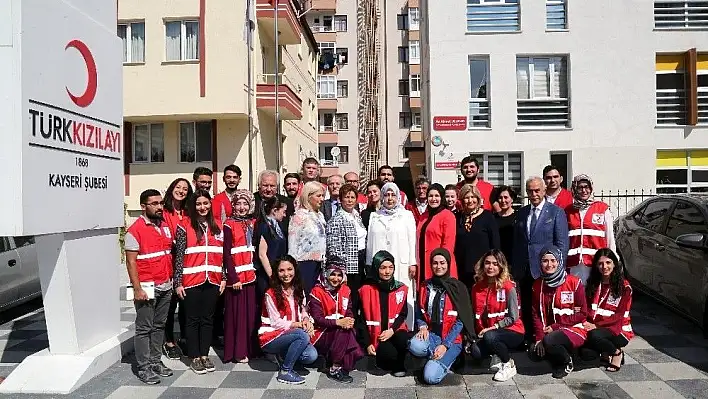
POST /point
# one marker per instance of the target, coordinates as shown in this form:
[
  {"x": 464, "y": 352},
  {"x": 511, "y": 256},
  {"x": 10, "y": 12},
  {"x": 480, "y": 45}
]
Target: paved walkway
[{"x": 660, "y": 363}]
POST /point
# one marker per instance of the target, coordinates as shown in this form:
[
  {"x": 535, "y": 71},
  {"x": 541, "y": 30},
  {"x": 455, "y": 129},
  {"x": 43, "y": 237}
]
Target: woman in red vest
[
  {"x": 382, "y": 315},
  {"x": 331, "y": 308},
  {"x": 199, "y": 276},
  {"x": 559, "y": 310},
  {"x": 286, "y": 329},
  {"x": 610, "y": 296},
  {"x": 174, "y": 214},
  {"x": 437, "y": 228},
  {"x": 240, "y": 302},
  {"x": 444, "y": 310},
  {"x": 496, "y": 306}
]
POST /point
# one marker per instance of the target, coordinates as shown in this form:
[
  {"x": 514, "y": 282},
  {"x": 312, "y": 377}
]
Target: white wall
[{"x": 611, "y": 47}]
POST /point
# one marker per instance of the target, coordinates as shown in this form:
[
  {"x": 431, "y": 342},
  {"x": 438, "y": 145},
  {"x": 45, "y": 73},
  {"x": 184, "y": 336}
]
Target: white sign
[
  {"x": 61, "y": 120},
  {"x": 448, "y": 160}
]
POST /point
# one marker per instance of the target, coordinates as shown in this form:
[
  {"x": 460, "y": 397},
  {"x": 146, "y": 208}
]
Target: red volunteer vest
[
  {"x": 449, "y": 316},
  {"x": 334, "y": 308},
  {"x": 564, "y": 199},
  {"x": 155, "y": 253},
  {"x": 490, "y": 306},
  {"x": 220, "y": 201},
  {"x": 266, "y": 333},
  {"x": 411, "y": 206},
  {"x": 605, "y": 307},
  {"x": 586, "y": 236},
  {"x": 173, "y": 220},
  {"x": 242, "y": 254},
  {"x": 563, "y": 305},
  {"x": 203, "y": 259},
  {"x": 371, "y": 307}
]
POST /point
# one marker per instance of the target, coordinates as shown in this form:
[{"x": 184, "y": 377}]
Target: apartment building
[
  {"x": 189, "y": 89},
  {"x": 339, "y": 89},
  {"x": 614, "y": 89}
]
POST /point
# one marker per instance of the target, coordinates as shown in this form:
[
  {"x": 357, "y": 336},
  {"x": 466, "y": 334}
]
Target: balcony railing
[
  {"x": 322, "y": 28},
  {"x": 671, "y": 107},
  {"x": 272, "y": 79},
  {"x": 326, "y": 129},
  {"x": 543, "y": 113},
  {"x": 478, "y": 113},
  {"x": 681, "y": 14}
]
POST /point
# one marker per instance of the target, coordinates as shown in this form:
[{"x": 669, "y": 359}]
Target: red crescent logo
[{"x": 87, "y": 98}]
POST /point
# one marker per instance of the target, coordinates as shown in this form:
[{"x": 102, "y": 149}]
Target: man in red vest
[
  {"x": 221, "y": 203},
  {"x": 589, "y": 228},
  {"x": 420, "y": 203},
  {"x": 148, "y": 254},
  {"x": 555, "y": 193},
  {"x": 469, "y": 166}
]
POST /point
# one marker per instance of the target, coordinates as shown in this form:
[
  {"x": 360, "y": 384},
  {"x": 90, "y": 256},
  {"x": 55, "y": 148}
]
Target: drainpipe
[
  {"x": 251, "y": 93},
  {"x": 278, "y": 132}
]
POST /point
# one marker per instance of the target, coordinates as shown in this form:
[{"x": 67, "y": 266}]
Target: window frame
[
  {"x": 338, "y": 20},
  {"x": 554, "y": 3},
  {"x": 128, "y": 24},
  {"x": 402, "y": 21},
  {"x": 536, "y": 101},
  {"x": 416, "y": 117},
  {"x": 483, "y": 158},
  {"x": 413, "y": 18},
  {"x": 405, "y": 120},
  {"x": 477, "y": 103},
  {"x": 679, "y": 188},
  {"x": 341, "y": 116},
  {"x": 196, "y": 150},
  {"x": 183, "y": 39},
  {"x": 413, "y": 44},
  {"x": 318, "y": 86},
  {"x": 343, "y": 86},
  {"x": 685, "y": 6},
  {"x": 406, "y": 86},
  {"x": 149, "y": 155},
  {"x": 403, "y": 55},
  {"x": 470, "y": 10},
  {"x": 414, "y": 78},
  {"x": 343, "y": 149}
]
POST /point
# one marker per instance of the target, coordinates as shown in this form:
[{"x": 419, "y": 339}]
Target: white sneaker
[
  {"x": 506, "y": 372},
  {"x": 495, "y": 363}
]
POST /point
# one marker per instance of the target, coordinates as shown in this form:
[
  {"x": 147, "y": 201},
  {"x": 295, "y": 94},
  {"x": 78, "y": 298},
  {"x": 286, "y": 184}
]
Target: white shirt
[
  {"x": 422, "y": 206},
  {"x": 537, "y": 211},
  {"x": 360, "y": 231}
]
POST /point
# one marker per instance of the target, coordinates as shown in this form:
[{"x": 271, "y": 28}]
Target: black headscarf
[
  {"x": 457, "y": 291},
  {"x": 373, "y": 277},
  {"x": 421, "y": 238},
  {"x": 441, "y": 190}
]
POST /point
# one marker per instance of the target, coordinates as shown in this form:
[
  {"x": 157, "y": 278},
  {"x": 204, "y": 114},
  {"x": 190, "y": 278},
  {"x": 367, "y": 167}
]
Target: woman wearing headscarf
[
  {"x": 444, "y": 310},
  {"x": 382, "y": 315},
  {"x": 590, "y": 228},
  {"x": 331, "y": 309},
  {"x": 558, "y": 310},
  {"x": 241, "y": 302},
  {"x": 392, "y": 229},
  {"x": 436, "y": 229}
]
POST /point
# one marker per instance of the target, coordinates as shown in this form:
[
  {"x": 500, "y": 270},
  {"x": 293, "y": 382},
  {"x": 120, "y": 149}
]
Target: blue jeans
[
  {"x": 294, "y": 345},
  {"x": 435, "y": 370}
]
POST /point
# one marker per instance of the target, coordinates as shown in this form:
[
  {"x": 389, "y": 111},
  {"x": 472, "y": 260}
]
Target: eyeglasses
[
  {"x": 588, "y": 188},
  {"x": 352, "y": 181},
  {"x": 155, "y": 203}
]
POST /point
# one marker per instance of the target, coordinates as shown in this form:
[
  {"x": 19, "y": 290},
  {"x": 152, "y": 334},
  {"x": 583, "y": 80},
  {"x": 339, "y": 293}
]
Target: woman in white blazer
[{"x": 392, "y": 229}]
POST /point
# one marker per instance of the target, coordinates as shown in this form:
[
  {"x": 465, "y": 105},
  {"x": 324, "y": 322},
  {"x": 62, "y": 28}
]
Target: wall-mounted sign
[
  {"x": 437, "y": 141},
  {"x": 449, "y": 161},
  {"x": 449, "y": 123}
]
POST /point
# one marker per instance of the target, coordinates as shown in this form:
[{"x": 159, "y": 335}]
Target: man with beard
[
  {"x": 469, "y": 166},
  {"x": 221, "y": 204},
  {"x": 148, "y": 253},
  {"x": 291, "y": 183},
  {"x": 202, "y": 178},
  {"x": 555, "y": 193}
]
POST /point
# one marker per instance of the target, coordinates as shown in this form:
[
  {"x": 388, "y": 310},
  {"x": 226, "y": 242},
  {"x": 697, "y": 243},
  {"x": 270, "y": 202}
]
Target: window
[
  {"x": 404, "y": 120},
  {"x": 342, "y": 88},
  {"x": 542, "y": 92},
  {"x": 479, "y": 93},
  {"x": 501, "y": 169},
  {"x": 562, "y": 161},
  {"x": 415, "y": 121},
  {"x": 674, "y": 104},
  {"x": 493, "y": 16},
  {"x": 676, "y": 14},
  {"x": 327, "y": 122},
  {"x": 556, "y": 15},
  {"x": 653, "y": 215},
  {"x": 342, "y": 56},
  {"x": 415, "y": 86},
  {"x": 328, "y": 56},
  {"x": 414, "y": 18},
  {"x": 326, "y": 86},
  {"x": 326, "y": 154},
  {"x": 681, "y": 171},
  {"x": 342, "y": 121},
  {"x": 323, "y": 23},
  {"x": 149, "y": 143},
  {"x": 404, "y": 87},
  {"x": 414, "y": 51},
  {"x": 23, "y": 241},
  {"x": 402, "y": 21},
  {"x": 182, "y": 40},
  {"x": 402, "y": 54},
  {"x": 685, "y": 219},
  {"x": 133, "y": 36},
  {"x": 340, "y": 23},
  {"x": 195, "y": 141}
]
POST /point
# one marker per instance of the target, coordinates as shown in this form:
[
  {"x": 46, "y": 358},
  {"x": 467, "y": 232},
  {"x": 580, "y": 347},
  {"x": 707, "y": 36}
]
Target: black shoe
[
  {"x": 340, "y": 376},
  {"x": 561, "y": 372},
  {"x": 160, "y": 369},
  {"x": 148, "y": 376},
  {"x": 172, "y": 352}
]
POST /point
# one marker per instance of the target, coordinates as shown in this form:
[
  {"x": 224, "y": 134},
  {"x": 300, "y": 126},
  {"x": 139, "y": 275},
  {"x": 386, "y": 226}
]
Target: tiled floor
[{"x": 668, "y": 359}]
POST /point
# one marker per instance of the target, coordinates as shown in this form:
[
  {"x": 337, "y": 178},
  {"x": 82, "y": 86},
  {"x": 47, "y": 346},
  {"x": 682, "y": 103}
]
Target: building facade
[
  {"x": 614, "y": 89},
  {"x": 337, "y": 28},
  {"x": 190, "y": 89}
]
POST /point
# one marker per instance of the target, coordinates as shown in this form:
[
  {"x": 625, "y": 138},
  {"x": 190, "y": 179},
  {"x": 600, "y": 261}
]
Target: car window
[
  {"x": 685, "y": 219},
  {"x": 638, "y": 215},
  {"x": 4, "y": 244},
  {"x": 654, "y": 215},
  {"x": 23, "y": 241}
]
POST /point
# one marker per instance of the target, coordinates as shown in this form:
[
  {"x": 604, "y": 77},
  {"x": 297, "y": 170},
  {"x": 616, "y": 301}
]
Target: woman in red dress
[{"x": 436, "y": 229}]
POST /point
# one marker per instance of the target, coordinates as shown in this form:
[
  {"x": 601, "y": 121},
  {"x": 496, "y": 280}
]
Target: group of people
[{"x": 326, "y": 271}]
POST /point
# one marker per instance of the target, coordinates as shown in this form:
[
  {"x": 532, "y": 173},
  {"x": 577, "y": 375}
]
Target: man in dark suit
[
  {"x": 537, "y": 225},
  {"x": 331, "y": 205},
  {"x": 268, "y": 188}
]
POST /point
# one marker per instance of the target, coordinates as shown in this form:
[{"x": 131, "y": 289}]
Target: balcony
[
  {"x": 328, "y": 167},
  {"x": 288, "y": 24},
  {"x": 324, "y": 5},
  {"x": 327, "y": 135},
  {"x": 289, "y": 102}
]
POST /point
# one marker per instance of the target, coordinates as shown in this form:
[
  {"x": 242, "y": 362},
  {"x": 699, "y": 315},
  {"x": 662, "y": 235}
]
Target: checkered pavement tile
[{"x": 667, "y": 359}]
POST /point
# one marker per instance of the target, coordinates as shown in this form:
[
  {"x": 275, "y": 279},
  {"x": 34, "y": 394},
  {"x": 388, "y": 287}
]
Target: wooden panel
[
  {"x": 414, "y": 69},
  {"x": 691, "y": 59},
  {"x": 415, "y": 102},
  {"x": 413, "y": 35}
]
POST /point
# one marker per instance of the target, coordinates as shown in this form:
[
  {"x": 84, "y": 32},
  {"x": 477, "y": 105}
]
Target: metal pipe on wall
[
  {"x": 249, "y": 43},
  {"x": 278, "y": 132}
]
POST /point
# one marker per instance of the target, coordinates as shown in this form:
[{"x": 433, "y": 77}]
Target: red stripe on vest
[
  {"x": 155, "y": 253},
  {"x": 449, "y": 316},
  {"x": 490, "y": 306},
  {"x": 266, "y": 333},
  {"x": 371, "y": 307},
  {"x": 203, "y": 259},
  {"x": 605, "y": 307},
  {"x": 563, "y": 305},
  {"x": 244, "y": 255},
  {"x": 592, "y": 228}
]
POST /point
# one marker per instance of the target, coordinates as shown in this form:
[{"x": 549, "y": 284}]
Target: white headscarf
[{"x": 397, "y": 194}]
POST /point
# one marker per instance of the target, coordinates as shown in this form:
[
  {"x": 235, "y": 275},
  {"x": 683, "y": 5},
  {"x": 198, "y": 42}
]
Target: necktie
[
  {"x": 337, "y": 207},
  {"x": 534, "y": 219}
]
